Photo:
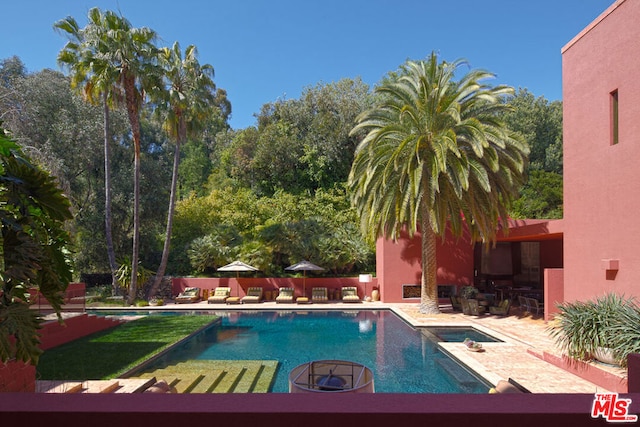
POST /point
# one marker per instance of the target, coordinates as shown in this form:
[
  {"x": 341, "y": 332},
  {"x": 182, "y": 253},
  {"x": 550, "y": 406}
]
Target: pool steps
[{"x": 218, "y": 376}]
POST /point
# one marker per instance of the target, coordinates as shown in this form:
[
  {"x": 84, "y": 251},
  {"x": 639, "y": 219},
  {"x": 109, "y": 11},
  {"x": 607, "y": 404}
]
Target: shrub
[{"x": 583, "y": 327}]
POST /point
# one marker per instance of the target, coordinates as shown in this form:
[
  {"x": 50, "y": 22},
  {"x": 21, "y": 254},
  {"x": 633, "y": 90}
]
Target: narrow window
[{"x": 614, "y": 117}]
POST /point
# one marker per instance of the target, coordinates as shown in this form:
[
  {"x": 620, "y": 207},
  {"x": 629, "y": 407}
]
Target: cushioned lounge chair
[
  {"x": 189, "y": 295},
  {"x": 319, "y": 295},
  {"x": 303, "y": 300},
  {"x": 501, "y": 309},
  {"x": 254, "y": 295},
  {"x": 285, "y": 295},
  {"x": 350, "y": 294},
  {"x": 220, "y": 295},
  {"x": 455, "y": 303}
]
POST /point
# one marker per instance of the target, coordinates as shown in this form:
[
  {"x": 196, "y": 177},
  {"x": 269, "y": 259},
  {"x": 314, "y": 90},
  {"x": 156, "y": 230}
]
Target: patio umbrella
[
  {"x": 304, "y": 266},
  {"x": 238, "y": 266}
]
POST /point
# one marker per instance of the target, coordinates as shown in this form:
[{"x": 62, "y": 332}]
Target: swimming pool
[{"x": 402, "y": 359}]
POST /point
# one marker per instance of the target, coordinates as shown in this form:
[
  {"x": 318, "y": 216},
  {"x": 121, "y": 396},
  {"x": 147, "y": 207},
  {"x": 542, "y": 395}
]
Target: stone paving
[{"x": 524, "y": 338}]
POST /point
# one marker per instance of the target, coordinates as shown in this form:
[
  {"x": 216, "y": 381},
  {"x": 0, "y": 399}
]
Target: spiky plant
[{"x": 610, "y": 321}]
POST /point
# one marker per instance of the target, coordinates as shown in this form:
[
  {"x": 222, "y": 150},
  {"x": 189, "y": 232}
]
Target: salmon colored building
[{"x": 595, "y": 249}]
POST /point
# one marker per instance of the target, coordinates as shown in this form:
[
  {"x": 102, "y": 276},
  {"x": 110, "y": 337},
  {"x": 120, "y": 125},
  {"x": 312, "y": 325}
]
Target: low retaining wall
[
  {"x": 17, "y": 377},
  {"x": 590, "y": 372},
  {"x": 54, "y": 333}
]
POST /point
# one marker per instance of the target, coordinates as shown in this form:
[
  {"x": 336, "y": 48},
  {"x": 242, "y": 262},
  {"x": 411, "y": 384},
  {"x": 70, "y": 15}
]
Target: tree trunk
[
  {"x": 429, "y": 277},
  {"x": 134, "y": 120},
  {"x": 182, "y": 130},
  {"x": 107, "y": 196}
]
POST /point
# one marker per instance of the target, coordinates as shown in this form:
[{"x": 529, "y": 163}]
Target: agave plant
[{"x": 583, "y": 328}]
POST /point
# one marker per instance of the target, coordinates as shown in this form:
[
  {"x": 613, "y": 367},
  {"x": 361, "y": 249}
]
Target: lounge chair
[
  {"x": 220, "y": 295},
  {"x": 319, "y": 295},
  {"x": 350, "y": 294},
  {"x": 303, "y": 300},
  {"x": 189, "y": 295},
  {"x": 254, "y": 295},
  {"x": 285, "y": 295},
  {"x": 501, "y": 309},
  {"x": 455, "y": 303}
]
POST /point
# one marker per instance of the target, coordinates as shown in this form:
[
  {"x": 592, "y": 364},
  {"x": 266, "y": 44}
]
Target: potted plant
[
  {"x": 469, "y": 292},
  {"x": 604, "y": 329}
]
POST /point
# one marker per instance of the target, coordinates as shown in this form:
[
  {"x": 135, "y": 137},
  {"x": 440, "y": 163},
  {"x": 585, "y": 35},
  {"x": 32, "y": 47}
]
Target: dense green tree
[
  {"x": 269, "y": 232},
  {"x": 33, "y": 252},
  {"x": 540, "y": 197},
  {"x": 540, "y": 123},
  {"x": 436, "y": 157},
  {"x": 300, "y": 145}
]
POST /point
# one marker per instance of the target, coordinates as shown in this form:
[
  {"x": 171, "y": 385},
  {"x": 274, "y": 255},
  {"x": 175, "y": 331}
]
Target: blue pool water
[{"x": 402, "y": 359}]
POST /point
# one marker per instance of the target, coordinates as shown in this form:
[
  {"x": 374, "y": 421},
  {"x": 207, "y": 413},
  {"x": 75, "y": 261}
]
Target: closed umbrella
[
  {"x": 238, "y": 266},
  {"x": 304, "y": 266}
]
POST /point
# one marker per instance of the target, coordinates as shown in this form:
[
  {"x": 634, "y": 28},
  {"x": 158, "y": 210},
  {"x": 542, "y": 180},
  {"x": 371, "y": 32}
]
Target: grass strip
[{"x": 109, "y": 354}]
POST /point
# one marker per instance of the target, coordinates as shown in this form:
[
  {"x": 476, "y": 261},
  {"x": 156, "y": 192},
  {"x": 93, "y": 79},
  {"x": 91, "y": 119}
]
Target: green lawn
[{"x": 111, "y": 353}]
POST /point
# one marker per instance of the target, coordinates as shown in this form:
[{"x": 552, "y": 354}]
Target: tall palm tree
[
  {"x": 127, "y": 57},
  {"x": 97, "y": 87},
  {"x": 436, "y": 156},
  {"x": 189, "y": 101}
]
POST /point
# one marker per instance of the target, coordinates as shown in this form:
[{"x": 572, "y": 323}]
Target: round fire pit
[{"x": 333, "y": 376}]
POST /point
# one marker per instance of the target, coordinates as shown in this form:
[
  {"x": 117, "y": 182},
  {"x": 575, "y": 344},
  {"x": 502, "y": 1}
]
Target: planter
[{"x": 605, "y": 355}]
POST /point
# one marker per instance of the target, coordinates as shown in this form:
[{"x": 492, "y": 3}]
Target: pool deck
[{"x": 526, "y": 341}]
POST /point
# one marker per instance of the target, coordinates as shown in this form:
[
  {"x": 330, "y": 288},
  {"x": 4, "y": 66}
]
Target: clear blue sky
[{"x": 265, "y": 50}]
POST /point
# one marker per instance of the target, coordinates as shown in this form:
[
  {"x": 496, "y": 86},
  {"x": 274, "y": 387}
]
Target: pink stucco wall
[
  {"x": 601, "y": 199},
  {"x": 399, "y": 263}
]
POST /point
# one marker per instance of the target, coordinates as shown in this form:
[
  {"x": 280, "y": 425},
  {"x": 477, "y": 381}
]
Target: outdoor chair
[
  {"x": 534, "y": 304},
  {"x": 524, "y": 304},
  {"x": 254, "y": 295},
  {"x": 189, "y": 295},
  {"x": 501, "y": 309},
  {"x": 455, "y": 303},
  {"x": 475, "y": 309},
  {"x": 319, "y": 295},
  {"x": 285, "y": 295},
  {"x": 350, "y": 294},
  {"x": 220, "y": 295}
]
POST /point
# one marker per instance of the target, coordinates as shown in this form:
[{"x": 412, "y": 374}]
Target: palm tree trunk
[
  {"x": 134, "y": 120},
  {"x": 107, "y": 196},
  {"x": 429, "y": 277},
  {"x": 182, "y": 130}
]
